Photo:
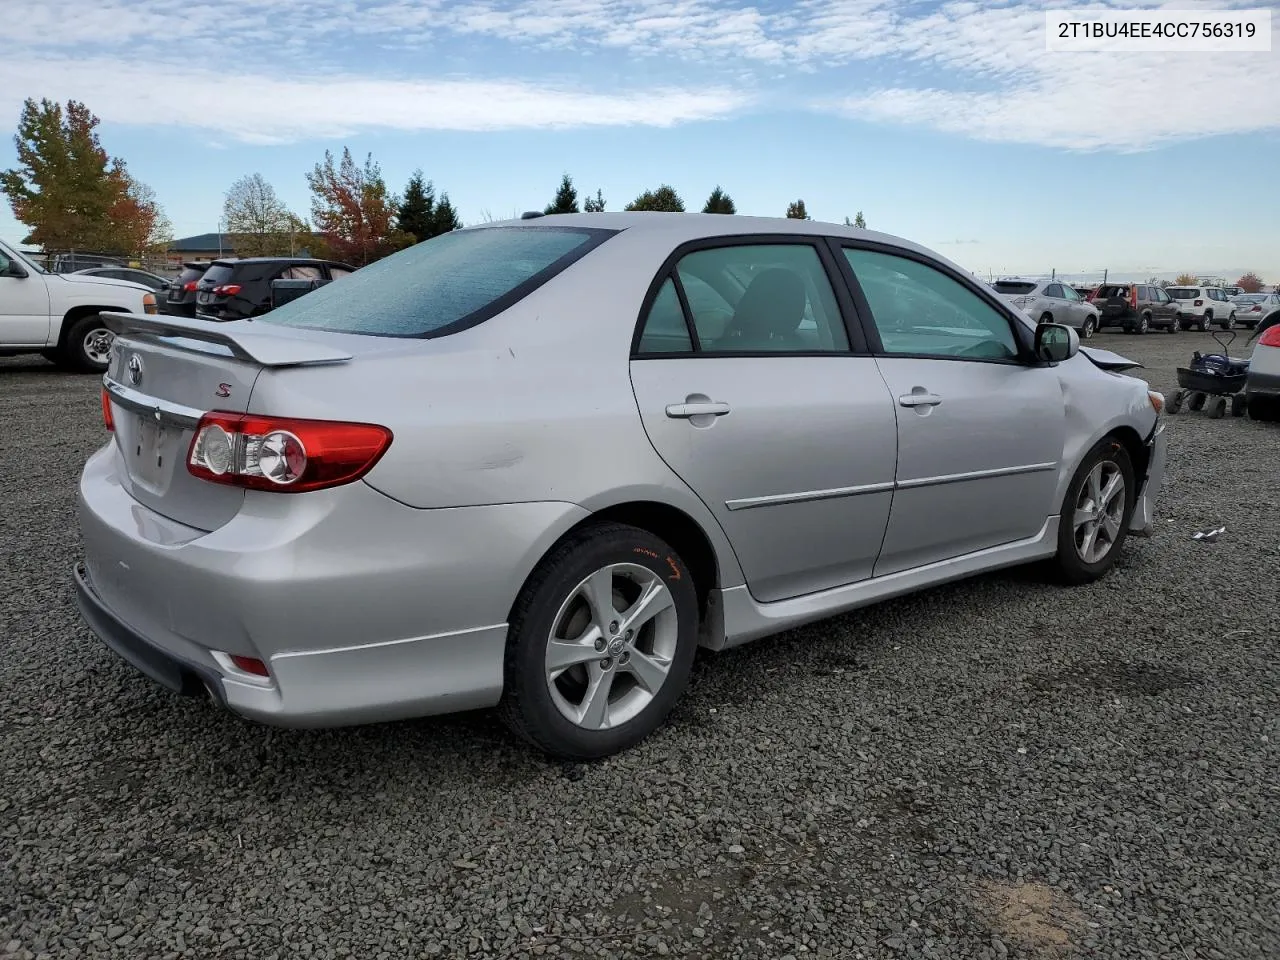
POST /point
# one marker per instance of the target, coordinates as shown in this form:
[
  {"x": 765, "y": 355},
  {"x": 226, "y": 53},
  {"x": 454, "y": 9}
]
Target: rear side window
[
  {"x": 665, "y": 330},
  {"x": 444, "y": 284}
]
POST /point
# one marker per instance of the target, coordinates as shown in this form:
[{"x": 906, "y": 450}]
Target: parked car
[
  {"x": 150, "y": 280},
  {"x": 236, "y": 289},
  {"x": 534, "y": 464},
  {"x": 1262, "y": 386},
  {"x": 60, "y": 315},
  {"x": 1085, "y": 293},
  {"x": 1251, "y": 308},
  {"x": 1201, "y": 307},
  {"x": 1051, "y": 301},
  {"x": 1137, "y": 307},
  {"x": 180, "y": 299}
]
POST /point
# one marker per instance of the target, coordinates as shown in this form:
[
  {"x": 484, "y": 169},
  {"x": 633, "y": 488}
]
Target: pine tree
[
  {"x": 566, "y": 200},
  {"x": 860, "y": 221},
  {"x": 664, "y": 199},
  {"x": 594, "y": 204},
  {"x": 416, "y": 214},
  {"x": 719, "y": 202},
  {"x": 796, "y": 211},
  {"x": 446, "y": 217}
]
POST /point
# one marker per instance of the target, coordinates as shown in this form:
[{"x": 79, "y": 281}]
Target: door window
[
  {"x": 300, "y": 272},
  {"x": 920, "y": 311},
  {"x": 1068, "y": 293},
  {"x": 1053, "y": 291},
  {"x": 337, "y": 272},
  {"x": 748, "y": 298}
]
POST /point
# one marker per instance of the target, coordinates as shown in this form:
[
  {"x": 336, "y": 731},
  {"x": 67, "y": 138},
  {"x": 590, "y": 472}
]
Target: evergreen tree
[
  {"x": 566, "y": 200},
  {"x": 719, "y": 202},
  {"x": 594, "y": 204},
  {"x": 446, "y": 217},
  {"x": 416, "y": 214},
  {"x": 663, "y": 199},
  {"x": 796, "y": 211}
]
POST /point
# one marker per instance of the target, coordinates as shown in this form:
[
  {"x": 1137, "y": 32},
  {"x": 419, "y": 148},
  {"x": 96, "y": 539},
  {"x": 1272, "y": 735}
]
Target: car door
[
  {"x": 1075, "y": 311},
  {"x": 981, "y": 429},
  {"x": 755, "y": 393},
  {"x": 24, "y": 305}
]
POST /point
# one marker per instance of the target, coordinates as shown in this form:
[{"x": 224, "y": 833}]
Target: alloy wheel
[
  {"x": 611, "y": 646},
  {"x": 1099, "y": 512}
]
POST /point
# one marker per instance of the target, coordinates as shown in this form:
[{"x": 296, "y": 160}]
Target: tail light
[
  {"x": 1133, "y": 297},
  {"x": 189, "y": 286},
  {"x": 149, "y": 303},
  {"x": 226, "y": 289},
  {"x": 283, "y": 454},
  {"x": 250, "y": 665},
  {"x": 1270, "y": 338},
  {"x": 107, "y": 420},
  {"x": 1199, "y": 303}
]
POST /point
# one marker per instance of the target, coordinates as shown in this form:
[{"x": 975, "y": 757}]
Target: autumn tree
[
  {"x": 664, "y": 199},
  {"x": 259, "y": 223},
  {"x": 594, "y": 204},
  {"x": 1185, "y": 280},
  {"x": 353, "y": 210},
  {"x": 719, "y": 202},
  {"x": 70, "y": 193},
  {"x": 566, "y": 200},
  {"x": 1250, "y": 282},
  {"x": 796, "y": 211}
]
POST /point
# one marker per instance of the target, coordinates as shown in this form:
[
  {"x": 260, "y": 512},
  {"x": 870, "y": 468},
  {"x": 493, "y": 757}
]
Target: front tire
[
  {"x": 1089, "y": 328},
  {"x": 601, "y": 643},
  {"x": 1095, "y": 513},
  {"x": 1205, "y": 322},
  {"x": 87, "y": 347}
]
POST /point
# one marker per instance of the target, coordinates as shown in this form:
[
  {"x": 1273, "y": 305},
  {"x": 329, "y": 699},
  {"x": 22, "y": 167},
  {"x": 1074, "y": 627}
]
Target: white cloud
[
  {"x": 266, "y": 109},
  {"x": 975, "y": 69}
]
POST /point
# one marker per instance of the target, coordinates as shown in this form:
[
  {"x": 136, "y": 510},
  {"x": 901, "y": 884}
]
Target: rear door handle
[
  {"x": 685, "y": 411},
  {"x": 919, "y": 399}
]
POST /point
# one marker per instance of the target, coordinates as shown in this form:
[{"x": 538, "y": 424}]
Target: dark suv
[
  {"x": 1137, "y": 307},
  {"x": 236, "y": 289},
  {"x": 180, "y": 299}
]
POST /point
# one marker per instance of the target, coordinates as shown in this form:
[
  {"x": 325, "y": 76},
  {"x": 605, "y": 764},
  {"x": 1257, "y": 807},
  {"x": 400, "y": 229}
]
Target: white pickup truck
[{"x": 58, "y": 314}]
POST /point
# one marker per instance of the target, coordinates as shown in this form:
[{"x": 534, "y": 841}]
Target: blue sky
[{"x": 947, "y": 123}]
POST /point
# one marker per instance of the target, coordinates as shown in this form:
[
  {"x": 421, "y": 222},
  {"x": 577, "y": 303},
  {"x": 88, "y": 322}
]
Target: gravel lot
[{"x": 993, "y": 769}]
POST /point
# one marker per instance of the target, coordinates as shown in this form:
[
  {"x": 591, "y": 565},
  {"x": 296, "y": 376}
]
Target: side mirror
[{"x": 1055, "y": 342}]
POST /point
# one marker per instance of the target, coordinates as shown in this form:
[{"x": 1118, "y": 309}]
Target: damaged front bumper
[{"x": 1142, "y": 523}]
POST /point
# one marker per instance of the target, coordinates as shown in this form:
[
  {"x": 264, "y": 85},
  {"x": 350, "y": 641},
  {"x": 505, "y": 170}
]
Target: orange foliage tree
[{"x": 353, "y": 210}]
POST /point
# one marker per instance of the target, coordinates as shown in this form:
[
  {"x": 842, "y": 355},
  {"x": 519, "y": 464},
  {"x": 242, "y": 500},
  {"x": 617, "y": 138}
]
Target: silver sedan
[{"x": 536, "y": 464}]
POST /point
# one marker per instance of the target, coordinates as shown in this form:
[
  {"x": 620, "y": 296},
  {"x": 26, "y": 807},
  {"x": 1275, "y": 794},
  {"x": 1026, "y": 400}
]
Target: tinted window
[
  {"x": 1054, "y": 290},
  {"x": 664, "y": 328},
  {"x": 215, "y": 275},
  {"x": 1183, "y": 293},
  {"x": 456, "y": 277},
  {"x": 336, "y": 272},
  {"x": 921, "y": 311},
  {"x": 1013, "y": 287},
  {"x": 301, "y": 272},
  {"x": 762, "y": 297},
  {"x": 190, "y": 273}
]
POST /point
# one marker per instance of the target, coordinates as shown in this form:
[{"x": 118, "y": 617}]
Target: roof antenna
[{"x": 531, "y": 215}]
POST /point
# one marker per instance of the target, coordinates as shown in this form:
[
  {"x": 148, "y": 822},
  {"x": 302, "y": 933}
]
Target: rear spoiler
[{"x": 262, "y": 348}]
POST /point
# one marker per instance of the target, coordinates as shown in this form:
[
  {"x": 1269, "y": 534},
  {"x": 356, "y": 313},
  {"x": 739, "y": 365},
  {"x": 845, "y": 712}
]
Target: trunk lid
[{"x": 167, "y": 372}]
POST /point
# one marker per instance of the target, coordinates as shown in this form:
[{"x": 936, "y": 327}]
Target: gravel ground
[{"x": 992, "y": 769}]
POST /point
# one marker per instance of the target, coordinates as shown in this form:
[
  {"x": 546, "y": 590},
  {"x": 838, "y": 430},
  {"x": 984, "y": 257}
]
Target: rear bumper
[
  {"x": 1261, "y": 383},
  {"x": 363, "y": 609},
  {"x": 1142, "y": 522}
]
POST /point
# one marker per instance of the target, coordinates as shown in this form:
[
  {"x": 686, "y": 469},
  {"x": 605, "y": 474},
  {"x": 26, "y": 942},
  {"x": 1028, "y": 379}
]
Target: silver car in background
[
  {"x": 1050, "y": 301},
  {"x": 536, "y": 464}
]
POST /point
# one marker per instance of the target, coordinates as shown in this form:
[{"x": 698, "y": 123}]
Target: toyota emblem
[{"x": 135, "y": 369}]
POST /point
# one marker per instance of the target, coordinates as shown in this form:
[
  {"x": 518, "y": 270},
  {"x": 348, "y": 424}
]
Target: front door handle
[
  {"x": 686, "y": 411},
  {"x": 919, "y": 399}
]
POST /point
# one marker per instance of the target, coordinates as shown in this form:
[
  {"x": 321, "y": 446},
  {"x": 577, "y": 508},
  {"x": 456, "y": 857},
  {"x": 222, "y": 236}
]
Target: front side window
[
  {"x": 1069, "y": 293},
  {"x": 920, "y": 311},
  {"x": 442, "y": 284},
  {"x": 774, "y": 298}
]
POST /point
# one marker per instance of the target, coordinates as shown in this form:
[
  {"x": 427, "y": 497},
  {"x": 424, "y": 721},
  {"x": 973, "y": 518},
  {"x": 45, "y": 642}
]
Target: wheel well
[
  {"x": 675, "y": 527},
  {"x": 1136, "y": 449},
  {"x": 79, "y": 313}
]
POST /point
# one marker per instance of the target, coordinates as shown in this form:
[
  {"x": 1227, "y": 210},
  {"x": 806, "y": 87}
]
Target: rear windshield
[
  {"x": 190, "y": 273},
  {"x": 1183, "y": 293},
  {"x": 1013, "y": 286},
  {"x": 443, "y": 284},
  {"x": 218, "y": 274},
  {"x": 1112, "y": 290}
]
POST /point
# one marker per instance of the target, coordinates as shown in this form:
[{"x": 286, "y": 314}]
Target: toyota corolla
[{"x": 536, "y": 464}]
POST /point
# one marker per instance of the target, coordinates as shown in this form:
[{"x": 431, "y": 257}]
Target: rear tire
[
  {"x": 1093, "y": 506},
  {"x": 1217, "y": 408},
  {"x": 1175, "y": 403},
  {"x": 1197, "y": 401},
  {"x": 1144, "y": 323},
  {"x": 87, "y": 347},
  {"x": 587, "y": 586},
  {"x": 1237, "y": 405}
]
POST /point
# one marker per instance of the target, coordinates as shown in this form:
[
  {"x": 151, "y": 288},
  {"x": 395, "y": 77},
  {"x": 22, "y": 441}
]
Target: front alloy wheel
[
  {"x": 1095, "y": 513},
  {"x": 1099, "y": 512}
]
